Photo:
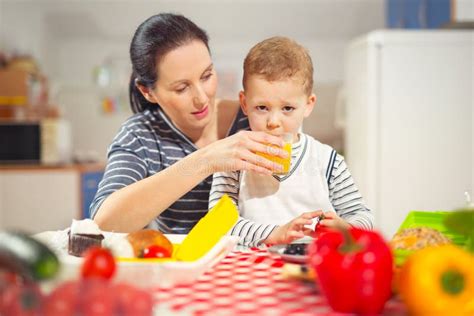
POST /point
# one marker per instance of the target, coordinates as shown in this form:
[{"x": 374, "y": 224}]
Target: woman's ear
[
  {"x": 310, "y": 103},
  {"x": 147, "y": 93},
  {"x": 243, "y": 102}
]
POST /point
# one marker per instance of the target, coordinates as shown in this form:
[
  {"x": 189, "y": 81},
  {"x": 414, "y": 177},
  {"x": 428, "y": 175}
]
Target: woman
[{"x": 161, "y": 162}]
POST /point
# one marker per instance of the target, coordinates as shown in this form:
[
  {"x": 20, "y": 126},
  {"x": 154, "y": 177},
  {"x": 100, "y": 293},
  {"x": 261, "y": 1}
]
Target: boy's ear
[
  {"x": 243, "y": 102},
  {"x": 311, "y": 102},
  {"x": 146, "y": 92}
]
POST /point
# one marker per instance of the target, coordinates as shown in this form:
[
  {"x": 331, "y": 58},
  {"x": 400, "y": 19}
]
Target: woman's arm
[{"x": 137, "y": 203}]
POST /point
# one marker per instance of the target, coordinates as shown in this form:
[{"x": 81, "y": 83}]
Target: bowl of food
[
  {"x": 423, "y": 229},
  {"x": 296, "y": 252}
]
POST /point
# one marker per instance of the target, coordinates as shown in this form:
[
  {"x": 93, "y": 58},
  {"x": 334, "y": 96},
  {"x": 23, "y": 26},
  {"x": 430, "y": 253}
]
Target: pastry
[
  {"x": 148, "y": 237},
  {"x": 418, "y": 238},
  {"x": 83, "y": 235}
]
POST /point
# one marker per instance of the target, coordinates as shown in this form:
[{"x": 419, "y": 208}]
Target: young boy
[{"x": 277, "y": 96}]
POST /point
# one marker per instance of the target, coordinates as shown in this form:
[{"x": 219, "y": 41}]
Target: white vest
[{"x": 279, "y": 199}]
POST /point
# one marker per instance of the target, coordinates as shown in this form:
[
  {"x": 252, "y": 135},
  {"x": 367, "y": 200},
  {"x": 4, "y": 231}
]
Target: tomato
[
  {"x": 156, "y": 251},
  {"x": 142, "y": 304},
  {"x": 8, "y": 280},
  {"x": 22, "y": 300},
  {"x": 97, "y": 299},
  {"x": 64, "y": 300},
  {"x": 132, "y": 301},
  {"x": 123, "y": 293},
  {"x": 319, "y": 228},
  {"x": 99, "y": 263}
]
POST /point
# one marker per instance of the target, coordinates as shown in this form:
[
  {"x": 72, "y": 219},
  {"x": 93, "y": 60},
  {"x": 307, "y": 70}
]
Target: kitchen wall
[{"x": 70, "y": 38}]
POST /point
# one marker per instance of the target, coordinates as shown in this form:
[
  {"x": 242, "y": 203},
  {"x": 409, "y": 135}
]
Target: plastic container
[
  {"x": 169, "y": 273},
  {"x": 433, "y": 220},
  {"x": 142, "y": 273}
]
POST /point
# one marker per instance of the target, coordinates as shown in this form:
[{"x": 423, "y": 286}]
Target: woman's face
[{"x": 186, "y": 86}]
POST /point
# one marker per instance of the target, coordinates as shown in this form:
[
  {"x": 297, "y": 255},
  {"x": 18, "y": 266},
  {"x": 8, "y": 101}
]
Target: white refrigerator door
[{"x": 418, "y": 115}]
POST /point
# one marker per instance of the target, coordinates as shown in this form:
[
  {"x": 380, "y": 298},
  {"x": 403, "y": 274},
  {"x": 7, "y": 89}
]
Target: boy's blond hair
[{"x": 278, "y": 58}]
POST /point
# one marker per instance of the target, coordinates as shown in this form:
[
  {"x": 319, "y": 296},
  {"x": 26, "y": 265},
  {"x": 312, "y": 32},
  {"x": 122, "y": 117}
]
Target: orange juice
[{"x": 285, "y": 162}]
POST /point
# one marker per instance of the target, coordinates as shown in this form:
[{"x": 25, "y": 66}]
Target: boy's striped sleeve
[
  {"x": 224, "y": 183},
  {"x": 346, "y": 198},
  {"x": 251, "y": 234}
]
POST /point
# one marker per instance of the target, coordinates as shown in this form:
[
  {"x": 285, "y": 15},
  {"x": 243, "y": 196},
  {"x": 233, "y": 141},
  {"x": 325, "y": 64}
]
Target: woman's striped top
[{"x": 147, "y": 143}]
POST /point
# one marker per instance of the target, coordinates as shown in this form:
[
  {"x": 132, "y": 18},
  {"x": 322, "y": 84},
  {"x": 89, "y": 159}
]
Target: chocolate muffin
[
  {"x": 79, "y": 243},
  {"x": 83, "y": 235}
]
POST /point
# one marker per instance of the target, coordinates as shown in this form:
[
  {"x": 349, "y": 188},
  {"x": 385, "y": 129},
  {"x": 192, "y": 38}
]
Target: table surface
[{"x": 249, "y": 282}]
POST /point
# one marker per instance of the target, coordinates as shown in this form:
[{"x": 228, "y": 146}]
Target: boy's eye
[
  {"x": 261, "y": 107},
  {"x": 288, "y": 108}
]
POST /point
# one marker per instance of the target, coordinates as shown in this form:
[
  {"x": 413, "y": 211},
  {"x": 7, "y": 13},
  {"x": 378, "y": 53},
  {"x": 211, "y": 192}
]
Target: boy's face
[{"x": 276, "y": 107}]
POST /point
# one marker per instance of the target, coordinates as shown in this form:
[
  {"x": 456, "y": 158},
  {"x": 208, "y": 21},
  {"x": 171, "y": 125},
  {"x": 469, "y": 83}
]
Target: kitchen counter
[
  {"x": 37, "y": 197},
  {"x": 82, "y": 167}
]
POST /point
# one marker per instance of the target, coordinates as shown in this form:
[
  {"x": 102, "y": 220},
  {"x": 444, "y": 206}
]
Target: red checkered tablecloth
[{"x": 249, "y": 283}]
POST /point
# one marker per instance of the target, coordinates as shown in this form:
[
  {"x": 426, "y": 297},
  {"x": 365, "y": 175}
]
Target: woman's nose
[{"x": 200, "y": 97}]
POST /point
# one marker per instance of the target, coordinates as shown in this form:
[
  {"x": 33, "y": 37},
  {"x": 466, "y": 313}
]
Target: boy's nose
[{"x": 273, "y": 122}]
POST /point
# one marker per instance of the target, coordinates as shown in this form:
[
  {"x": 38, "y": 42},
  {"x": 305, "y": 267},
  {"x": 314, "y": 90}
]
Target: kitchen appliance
[
  {"x": 47, "y": 142},
  {"x": 409, "y": 121}
]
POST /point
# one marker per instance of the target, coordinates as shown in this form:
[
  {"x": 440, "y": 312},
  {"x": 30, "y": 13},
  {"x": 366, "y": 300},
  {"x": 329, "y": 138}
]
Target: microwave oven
[{"x": 45, "y": 142}]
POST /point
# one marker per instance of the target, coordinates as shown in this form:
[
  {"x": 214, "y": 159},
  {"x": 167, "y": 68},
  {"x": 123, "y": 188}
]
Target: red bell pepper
[
  {"x": 319, "y": 228},
  {"x": 354, "y": 270}
]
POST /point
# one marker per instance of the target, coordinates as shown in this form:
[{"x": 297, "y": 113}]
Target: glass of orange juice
[{"x": 271, "y": 154}]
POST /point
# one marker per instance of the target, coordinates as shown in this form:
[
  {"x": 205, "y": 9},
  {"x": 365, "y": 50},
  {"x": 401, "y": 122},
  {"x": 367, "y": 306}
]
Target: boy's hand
[
  {"x": 332, "y": 220},
  {"x": 295, "y": 229}
]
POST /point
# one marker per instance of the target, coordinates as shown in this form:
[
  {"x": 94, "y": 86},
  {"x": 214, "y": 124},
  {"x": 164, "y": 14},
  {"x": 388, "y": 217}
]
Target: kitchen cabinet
[
  {"x": 409, "y": 121},
  {"x": 39, "y": 198}
]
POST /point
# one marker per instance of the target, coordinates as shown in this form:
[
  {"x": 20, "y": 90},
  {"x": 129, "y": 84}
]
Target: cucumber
[{"x": 27, "y": 256}]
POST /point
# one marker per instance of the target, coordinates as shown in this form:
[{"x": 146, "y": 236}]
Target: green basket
[{"x": 433, "y": 220}]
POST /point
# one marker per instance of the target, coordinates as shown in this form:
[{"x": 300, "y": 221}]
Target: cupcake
[{"x": 83, "y": 235}]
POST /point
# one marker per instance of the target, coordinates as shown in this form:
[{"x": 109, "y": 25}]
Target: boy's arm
[
  {"x": 346, "y": 198},
  {"x": 251, "y": 234},
  {"x": 224, "y": 183}
]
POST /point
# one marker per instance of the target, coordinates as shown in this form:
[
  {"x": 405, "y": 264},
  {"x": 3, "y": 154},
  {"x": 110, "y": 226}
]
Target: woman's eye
[
  {"x": 181, "y": 90},
  {"x": 207, "y": 76},
  {"x": 288, "y": 108}
]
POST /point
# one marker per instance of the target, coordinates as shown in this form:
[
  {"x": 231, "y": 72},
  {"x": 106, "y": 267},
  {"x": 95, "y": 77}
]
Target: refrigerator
[{"x": 408, "y": 119}]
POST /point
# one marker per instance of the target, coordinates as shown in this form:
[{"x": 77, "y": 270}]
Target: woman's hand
[
  {"x": 238, "y": 152},
  {"x": 295, "y": 229}
]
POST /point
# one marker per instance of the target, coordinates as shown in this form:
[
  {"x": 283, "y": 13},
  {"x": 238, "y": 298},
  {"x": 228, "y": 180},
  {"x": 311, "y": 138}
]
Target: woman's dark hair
[{"x": 154, "y": 38}]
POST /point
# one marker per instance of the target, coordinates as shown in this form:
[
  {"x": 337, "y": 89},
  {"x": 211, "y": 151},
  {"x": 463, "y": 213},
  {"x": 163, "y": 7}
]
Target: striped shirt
[
  {"x": 344, "y": 196},
  {"x": 147, "y": 143}
]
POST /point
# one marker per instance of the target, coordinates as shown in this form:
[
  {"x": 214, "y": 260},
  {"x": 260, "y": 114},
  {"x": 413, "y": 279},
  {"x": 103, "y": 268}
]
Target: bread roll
[
  {"x": 147, "y": 237},
  {"x": 418, "y": 238}
]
